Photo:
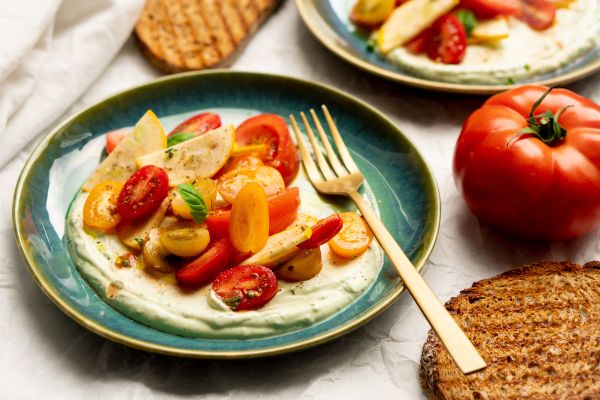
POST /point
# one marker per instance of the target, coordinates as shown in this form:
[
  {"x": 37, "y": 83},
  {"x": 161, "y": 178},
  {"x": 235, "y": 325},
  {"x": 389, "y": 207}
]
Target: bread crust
[
  {"x": 537, "y": 327},
  {"x": 185, "y": 35}
]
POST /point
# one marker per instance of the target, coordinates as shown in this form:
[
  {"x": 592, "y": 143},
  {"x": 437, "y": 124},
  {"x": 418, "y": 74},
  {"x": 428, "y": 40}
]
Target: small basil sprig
[
  {"x": 194, "y": 201},
  {"x": 468, "y": 20},
  {"x": 179, "y": 138}
]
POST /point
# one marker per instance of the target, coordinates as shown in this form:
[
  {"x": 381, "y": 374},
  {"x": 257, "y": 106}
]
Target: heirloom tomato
[{"x": 528, "y": 163}]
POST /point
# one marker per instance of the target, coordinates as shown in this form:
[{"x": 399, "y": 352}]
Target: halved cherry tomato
[
  {"x": 207, "y": 189},
  {"x": 245, "y": 287},
  {"x": 113, "y": 138},
  {"x": 323, "y": 231},
  {"x": 354, "y": 238},
  {"x": 247, "y": 161},
  {"x": 448, "y": 43},
  {"x": 538, "y": 14},
  {"x": 184, "y": 238},
  {"x": 492, "y": 8},
  {"x": 198, "y": 124},
  {"x": 249, "y": 221},
  {"x": 100, "y": 208},
  {"x": 419, "y": 44},
  {"x": 371, "y": 13},
  {"x": 230, "y": 184},
  {"x": 203, "y": 269},
  {"x": 143, "y": 192},
  {"x": 283, "y": 210},
  {"x": 272, "y": 130}
]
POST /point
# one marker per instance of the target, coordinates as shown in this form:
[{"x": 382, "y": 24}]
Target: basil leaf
[
  {"x": 194, "y": 201},
  {"x": 468, "y": 20},
  {"x": 179, "y": 138}
]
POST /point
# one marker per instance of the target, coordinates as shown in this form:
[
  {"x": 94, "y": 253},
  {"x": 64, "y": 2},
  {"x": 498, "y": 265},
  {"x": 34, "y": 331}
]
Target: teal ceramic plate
[
  {"x": 401, "y": 180},
  {"x": 328, "y": 20}
]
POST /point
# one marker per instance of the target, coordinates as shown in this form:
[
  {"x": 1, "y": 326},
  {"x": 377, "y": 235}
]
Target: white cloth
[
  {"x": 44, "y": 354},
  {"x": 50, "y": 53}
]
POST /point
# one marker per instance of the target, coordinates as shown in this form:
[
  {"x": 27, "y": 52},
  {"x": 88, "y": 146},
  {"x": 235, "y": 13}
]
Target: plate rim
[
  {"x": 447, "y": 87},
  {"x": 51, "y": 292}
]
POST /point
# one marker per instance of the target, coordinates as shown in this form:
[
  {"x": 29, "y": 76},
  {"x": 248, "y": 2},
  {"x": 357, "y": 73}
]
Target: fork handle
[{"x": 454, "y": 339}]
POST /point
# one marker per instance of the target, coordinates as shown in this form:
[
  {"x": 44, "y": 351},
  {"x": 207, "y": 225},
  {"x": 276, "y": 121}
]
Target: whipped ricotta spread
[
  {"x": 524, "y": 54},
  {"x": 157, "y": 301}
]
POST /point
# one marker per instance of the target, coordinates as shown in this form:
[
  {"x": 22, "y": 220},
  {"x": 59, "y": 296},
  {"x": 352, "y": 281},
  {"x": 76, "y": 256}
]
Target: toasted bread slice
[
  {"x": 537, "y": 327},
  {"x": 184, "y": 35}
]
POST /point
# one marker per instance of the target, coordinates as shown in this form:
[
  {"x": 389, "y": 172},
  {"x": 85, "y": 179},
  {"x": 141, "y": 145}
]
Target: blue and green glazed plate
[
  {"x": 397, "y": 174},
  {"x": 329, "y": 22}
]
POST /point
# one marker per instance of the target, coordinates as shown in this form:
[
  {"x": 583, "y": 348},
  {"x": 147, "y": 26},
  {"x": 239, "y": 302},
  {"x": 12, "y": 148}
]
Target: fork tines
[{"x": 330, "y": 167}]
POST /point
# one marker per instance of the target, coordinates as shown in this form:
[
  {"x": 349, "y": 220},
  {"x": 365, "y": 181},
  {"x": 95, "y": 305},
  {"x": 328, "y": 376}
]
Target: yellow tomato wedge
[
  {"x": 249, "y": 220},
  {"x": 100, "y": 208},
  {"x": 230, "y": 183},
  {"x": 248, "y": 150},
  {"x": 207, "y": 189},
  {"x": 371, "y": 12},
  {"x": 354, "y": 238}
]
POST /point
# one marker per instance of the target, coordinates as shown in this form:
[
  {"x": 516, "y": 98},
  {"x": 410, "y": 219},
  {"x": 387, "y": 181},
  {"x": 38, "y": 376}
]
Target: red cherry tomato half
[
  {"x": 419, "y": 44},
  {"x": 538, "y": 14},
  {"x": 283, "y": 210},
  {"x": 198, "y": 124},
  {"x": 271, "y": 130},
  {"x": 448, "y": 42},
  {"x": 207, "y": 266},
  {"x": 113, "y": 138},
  {"x": 492, "y": 8},
  {"x": 246, "y": 287},
  {"x": 323, "y": 231},
  {"x": 143, "y": 192}
]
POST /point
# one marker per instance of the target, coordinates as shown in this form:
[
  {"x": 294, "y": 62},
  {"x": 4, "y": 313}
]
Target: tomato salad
[
  {"x": 443, "y": 29},
  {"x": 236, "y": 228}
]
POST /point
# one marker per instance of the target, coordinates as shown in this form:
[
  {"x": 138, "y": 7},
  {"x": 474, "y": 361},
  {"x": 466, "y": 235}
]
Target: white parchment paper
[{"x": 44, "y": 354}]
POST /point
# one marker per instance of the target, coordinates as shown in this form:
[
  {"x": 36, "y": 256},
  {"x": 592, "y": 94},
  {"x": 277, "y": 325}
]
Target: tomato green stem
[{"x": 543, "y": 126}]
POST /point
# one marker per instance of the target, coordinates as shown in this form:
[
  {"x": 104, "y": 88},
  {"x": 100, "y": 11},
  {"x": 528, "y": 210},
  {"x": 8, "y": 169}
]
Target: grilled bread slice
[
  {"x": 183, "y": 35},
  {"x": 537, "y": 327}
]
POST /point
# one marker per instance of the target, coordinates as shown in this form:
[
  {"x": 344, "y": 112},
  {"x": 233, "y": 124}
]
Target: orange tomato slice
[
  {"x": 249, "y": 220},
  {"x": 232, "y": 182},
  {"x": 354, "y": 238},
  {"x": 100, "y": 208}
]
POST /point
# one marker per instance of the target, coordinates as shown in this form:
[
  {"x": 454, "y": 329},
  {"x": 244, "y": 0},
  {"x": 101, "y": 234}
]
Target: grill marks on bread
[
  {"x": 182, "y": 35},
  {"x": 537, "y": 327}
]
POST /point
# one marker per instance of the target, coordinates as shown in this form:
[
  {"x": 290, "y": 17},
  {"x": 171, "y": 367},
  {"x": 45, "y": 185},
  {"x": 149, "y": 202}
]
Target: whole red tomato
[{"x": 532, "y": 169}]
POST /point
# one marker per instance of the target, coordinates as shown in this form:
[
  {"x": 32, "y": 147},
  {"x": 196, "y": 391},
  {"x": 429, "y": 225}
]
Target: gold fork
[{"x": 345, "y": 180}]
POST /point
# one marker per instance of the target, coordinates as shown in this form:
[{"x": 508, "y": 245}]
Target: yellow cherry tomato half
[
  {"x": 371, "y": 13},
  {"x": 354, "y": 238},
  {"x": 185, "y": 239},
  {"x": 100, "y": 208},
  {"x": 232, "y": 182},
  {"x": 249, "y": 219},
  {"x": 205, "y": 186}
]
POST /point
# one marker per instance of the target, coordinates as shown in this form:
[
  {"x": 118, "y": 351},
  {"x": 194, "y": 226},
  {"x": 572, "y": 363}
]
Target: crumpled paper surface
[{"x": 47, "y": 355}]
